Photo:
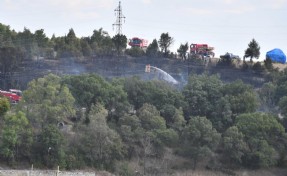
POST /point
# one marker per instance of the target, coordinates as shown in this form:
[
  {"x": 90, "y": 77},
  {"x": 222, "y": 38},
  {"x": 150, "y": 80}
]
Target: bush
[{"x": 135, "y": 52}]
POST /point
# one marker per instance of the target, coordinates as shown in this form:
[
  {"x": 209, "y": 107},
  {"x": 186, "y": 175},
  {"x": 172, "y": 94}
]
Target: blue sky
[{"x": 227, "y": 25}]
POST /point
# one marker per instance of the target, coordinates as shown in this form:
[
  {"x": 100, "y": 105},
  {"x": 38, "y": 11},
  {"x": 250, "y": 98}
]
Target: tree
[
  {"x": 234, "y": 146},
  {"x": 165, "y": 42},
  {"x": 16, "y": 138},
  {"x": 10, "y": 59},
  {"x": 173, "y": 117},
  {"x": 25, "y": 40},
  {"x": 100, "y": 145},
  {"x": 201, "y": 94},
  {"x": 41, "y": 38},
  {"x": 135, "y": 52},
  {"x": 101, "y": 43},
  {"x": 86, "y": 48},
  {"x": 156, "y": 93},
  {"x": 199, "y": 139},
  {"x": 182, "y": 50},
  {"x": 241, "y": 97},
  {"x": 283, "y": 105},
  {"x": 7, "y": 36},
  {"x": 267, "y": 96},
  {"x": 50, "y": 149},
  {"x": 152, "y": 49},
  {"x": 120, "y": 42},
  {"x": 91, "y": 89},
  {"x": 261, "y": 133},
  {"x": 4, "y": 106},
  {"x": 253, "y": 50},
  {"x": 47, "y": 100}
]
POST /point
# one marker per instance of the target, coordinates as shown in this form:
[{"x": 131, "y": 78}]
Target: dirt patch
[{"x": 279, "y": 66}]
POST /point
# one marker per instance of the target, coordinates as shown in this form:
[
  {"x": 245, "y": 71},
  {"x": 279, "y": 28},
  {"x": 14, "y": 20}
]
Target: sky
[{"x": 226, "y": 25}]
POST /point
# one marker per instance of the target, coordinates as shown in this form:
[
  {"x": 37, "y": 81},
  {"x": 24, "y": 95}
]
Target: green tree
[
  {"x": 165, "y": 42},
  {"x": 86, "y": 48},
  {"x": 283, "y": 105},
  {"x": 267, "y": 96},
  {"x": 6, "y": 39},
  {"x": 16, "y": 138},
  {"x": 47, "y": 100},
  {"x": 100, "y": 145},
  {"x": 199, "y": 139},
  {"x": 26, "y": 41},
  {"x": 173, "y": 117},
  {"x": 153, "y": 92},
  {"x": 253, "y": 50},
  {"x": 182, "y": 50},
  {"x": 201, "y": 94},
  {"x": 91, "y": 89},
  {"x": 261, "y": 133},
  {"x": 10, "y": 59},
  {"x": 120, "y": 42},
  {"x": 101, "y": 43},
  {"x": 234, "y": 146},
  {"x": 135, "y": 52},
  {"x": 241, "y": 97},
  {"x": 50, "y": 148},
  {"x": 268, "y": 64},
  {"x": 4, "y": 106},
  {"x": 152, "y": 49},
  {"x": 41, "y": 38},
  {"x": 150, "y": 117}
]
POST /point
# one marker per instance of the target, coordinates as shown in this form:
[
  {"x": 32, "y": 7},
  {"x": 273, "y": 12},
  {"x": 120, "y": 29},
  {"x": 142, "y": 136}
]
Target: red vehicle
[
  {"x": 202, "y": 50},
  {"x": 13, "y": 95},
  {"x": 138, "y": 42}
]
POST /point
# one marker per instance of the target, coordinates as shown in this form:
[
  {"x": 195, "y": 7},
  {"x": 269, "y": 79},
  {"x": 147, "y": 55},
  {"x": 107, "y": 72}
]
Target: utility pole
[{"x": 120, "y": 16}]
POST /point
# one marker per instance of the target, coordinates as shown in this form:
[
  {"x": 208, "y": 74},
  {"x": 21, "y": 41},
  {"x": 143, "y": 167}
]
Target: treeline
[
  {"x": 127, "y": 124},
  {"x": 37, "y": 44}
]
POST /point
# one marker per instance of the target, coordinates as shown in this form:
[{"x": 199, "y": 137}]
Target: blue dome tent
[{"x": 276, "y": 55}]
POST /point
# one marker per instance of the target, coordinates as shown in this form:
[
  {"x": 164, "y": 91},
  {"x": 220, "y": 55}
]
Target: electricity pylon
[{"x": 120, "y": 16}]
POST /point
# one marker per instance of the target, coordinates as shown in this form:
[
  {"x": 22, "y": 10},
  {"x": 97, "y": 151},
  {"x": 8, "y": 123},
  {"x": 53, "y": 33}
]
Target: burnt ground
[{"x": 110, "y": 67}]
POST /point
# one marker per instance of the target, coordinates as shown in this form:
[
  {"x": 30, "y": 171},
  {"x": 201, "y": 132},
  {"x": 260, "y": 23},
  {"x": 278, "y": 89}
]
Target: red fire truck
[
  {"x": 202, "y": 50},
  {"x": 138, "y": 42},
  {"x": 13, "y": 95}
]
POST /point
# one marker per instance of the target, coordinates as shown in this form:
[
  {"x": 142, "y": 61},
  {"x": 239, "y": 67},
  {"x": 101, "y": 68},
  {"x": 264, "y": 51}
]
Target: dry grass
[{"x": 279, "y": 66}]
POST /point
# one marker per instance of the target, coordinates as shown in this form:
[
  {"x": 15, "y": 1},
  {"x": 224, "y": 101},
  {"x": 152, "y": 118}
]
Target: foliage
[
  {"x": 152, "y": 49},
  {"x": 47, "y": 100},
  {"x": 258, "y": 67},
  {"x": 268, "y": 64},
  {"x": 120, "y": 42},
  {"x": 199, "y": 139},
  {"x": 253, "y": 50},
  {"x": 201, "y": 93},
  {"x": 165, "y": 42},
  {"x": 135, "y": 52},
  {"x": 183, "y": 48},
  {"x": 10, "y": 59},
  {"x": 91, "y": 89},
  {"x": 16, "y": 138},
  {"x": 234, "y": 146},
  {"x": 261, "y": 131},
  {"x": 49, "y": 149},
  {"x": 241, "y": 96},
  {"x": 101, "y": 43},
  {"x": 106, "y": 146},
  {"x": 153, "y": 92},
  {"x": 267, "y": 95},
  {"x": 4, "y": 106}
]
